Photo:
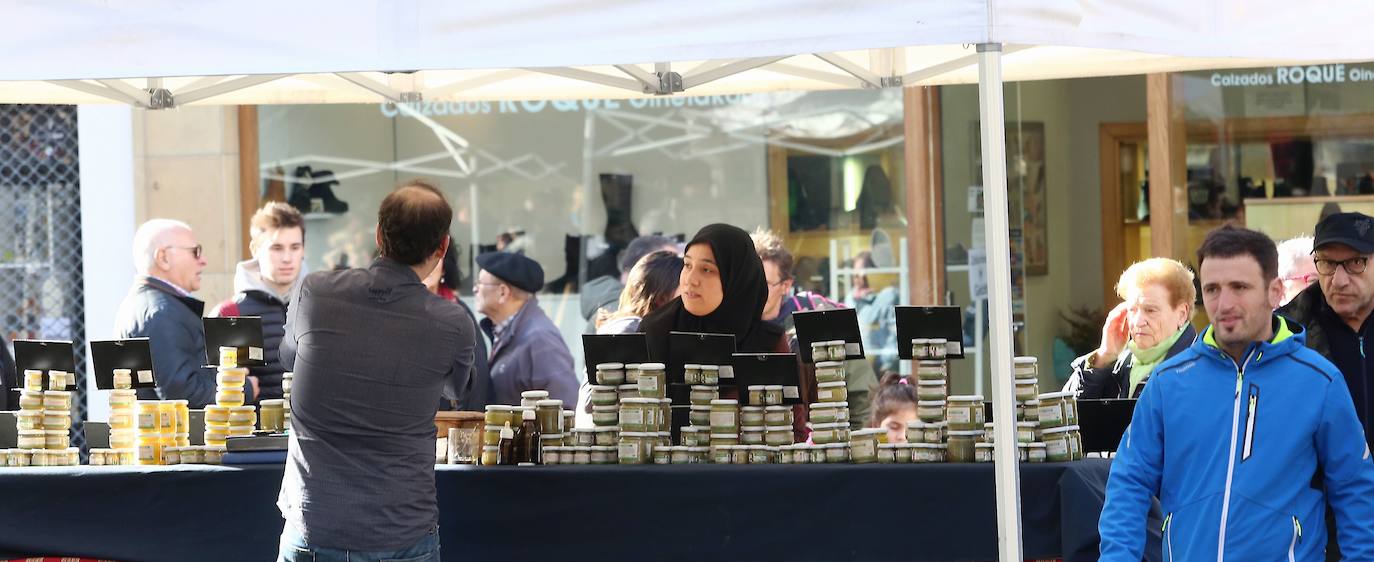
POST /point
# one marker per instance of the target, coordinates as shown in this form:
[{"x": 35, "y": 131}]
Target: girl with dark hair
[
  {"x": 652, "y": 282},
  {"x": 894, "y": 404}
]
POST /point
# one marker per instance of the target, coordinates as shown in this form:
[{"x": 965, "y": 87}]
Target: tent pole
[{"x": 1005, "y": 455}]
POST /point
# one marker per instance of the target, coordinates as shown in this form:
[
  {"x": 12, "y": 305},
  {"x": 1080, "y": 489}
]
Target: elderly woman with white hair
[
  {"x": 1296, "y": 266},
  {"x": 1150, "y": 325},
  {"x": 160, "y": 307}
]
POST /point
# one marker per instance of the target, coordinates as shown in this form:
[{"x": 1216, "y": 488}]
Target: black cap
[
  {"x": 1352, "y": 229},
  {"x": 515, "y": 269}
]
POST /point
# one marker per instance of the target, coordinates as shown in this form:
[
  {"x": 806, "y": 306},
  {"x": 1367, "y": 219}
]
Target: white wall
[{"x": 106, "y": 147}]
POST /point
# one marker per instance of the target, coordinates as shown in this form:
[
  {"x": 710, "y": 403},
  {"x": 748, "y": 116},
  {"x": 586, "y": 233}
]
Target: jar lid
[
  {"x": 609, "y": 366},
  {"x": 534, "y": 394},
  {"x": 758, "y": 387},
  {"x": 830, "y": 384},
  {"x": 1064, "y": 429},
  {"x": 222, "y": 388},
  {"x": 710, "y": 367},
  {"x": 52, "y": 432},
  {"x": 984, "y": 445},
  {"x": 603, "y": 429},
  {"x": 725, "y": 402},
  {"x": 692, "y": 366},
  {"x": 549, "y": 404},
  {"x": 492, "y": 427},
  {"x": 968, "y": 433},
  {"x": 918, "y": 424},
  {"x": 773, "y": 387},
  {"x": 624, "y": 401},
  {"x": 777, "y": 408},
  {"x": 494, "y": 448},
  {"x": 1036, "y": 445},
  {"x": 244, "y": 408},
  {"x": 930, "y": 403},
  {"x": 704, "y": 387},
  {"x": 694, "y": 429},
  {"x": 610, "y": 408},
  {"x": 1024, "y": 360},
  {"x": 1027, "y": 424},
  {"x": 926, "y": 445},
  {"x": 753, "y": 429},
  {"x": 930, "y": 382},
  {"x": 724, "y": 436},
  {"x": 634, "y": 366},
  {"x": 701, "y": 407},
  {"x": 31, "y": 432},
  {"x": 1027, "y": 380},
  {"x": 835, "y": 342},
  {"x": 938, "y": 340},
  {"x": 833, "y": 425},
  {"x": 751, "y": 409},
  {"x": 634, "y": 387},
  {"x": 551, "y": 436},
  {"x": 491, "y": 408},
  {"x": 272, "y": 403},
  {"x": 652, "y": 366},
  {"x": 58, "y": 393},
  {"x": 33, "y": 413},
  {"x": 836, "y": 446},
  {"x": 867, "y": 432},
  {"x": 604, "y": 388},
  {"x": 1028, "y": 403},
  {"x": 636, "y": 435},
  {"x": 931, "y": 363},
  {"x": 829, "y": 364},
  {"x": 699, "y": 449},
  {"x": 966, "y": 398},
  {"x": 1053, "y": 395},
  {"x": 828, "y": 405},
  {"x": 888, "y": 445},
  {"x": 778, "y": 428},
  {"x": 919, "y": 341}
]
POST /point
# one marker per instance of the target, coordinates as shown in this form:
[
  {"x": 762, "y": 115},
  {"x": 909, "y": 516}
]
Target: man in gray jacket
[
  {"x": 160, "y": 307},
  {"x": 371, "y": 350},
  {"x": 527, "y": 350}
]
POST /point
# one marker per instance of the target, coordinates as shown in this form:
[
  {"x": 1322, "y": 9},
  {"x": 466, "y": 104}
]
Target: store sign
[
  {"x": 1294, "y": 75},
  {"x": 441, "y": 108}
]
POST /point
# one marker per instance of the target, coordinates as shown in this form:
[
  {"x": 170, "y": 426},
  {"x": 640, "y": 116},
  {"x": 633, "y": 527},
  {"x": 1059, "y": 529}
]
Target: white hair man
[{"x": 160, "y": 307}]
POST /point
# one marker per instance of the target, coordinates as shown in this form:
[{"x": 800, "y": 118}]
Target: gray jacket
[
  {"x": 371, "y": 350},
  {"x": 172, "y": 323},
  {"x": 530, "y": 355}
]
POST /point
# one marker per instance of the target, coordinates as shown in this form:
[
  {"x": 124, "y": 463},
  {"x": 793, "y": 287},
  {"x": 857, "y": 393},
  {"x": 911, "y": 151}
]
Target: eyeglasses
[
  {"x": 196, "y": 250},
  {"x": 778, "y": 284},
  {"x": 1353, "y": 266}
]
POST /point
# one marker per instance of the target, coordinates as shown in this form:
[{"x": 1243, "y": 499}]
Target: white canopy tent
[{"x": 161, "y": 54}]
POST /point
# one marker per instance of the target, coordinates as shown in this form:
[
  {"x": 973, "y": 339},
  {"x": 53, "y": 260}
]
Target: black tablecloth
[{"x": 694, "y": 512}]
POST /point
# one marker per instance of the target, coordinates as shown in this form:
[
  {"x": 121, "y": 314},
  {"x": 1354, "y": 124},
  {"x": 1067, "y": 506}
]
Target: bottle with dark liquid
[
  {"x": 527, "y": 439},
  {"x": 506, "y": 455}
]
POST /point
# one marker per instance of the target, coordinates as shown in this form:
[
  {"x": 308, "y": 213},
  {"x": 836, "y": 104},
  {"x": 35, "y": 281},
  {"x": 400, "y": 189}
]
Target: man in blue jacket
[{"x": 1245, "y": 436}]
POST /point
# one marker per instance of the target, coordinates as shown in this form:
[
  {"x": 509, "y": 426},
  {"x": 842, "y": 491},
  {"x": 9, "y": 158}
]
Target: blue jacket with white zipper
[{"x": 1243, "y": 457}]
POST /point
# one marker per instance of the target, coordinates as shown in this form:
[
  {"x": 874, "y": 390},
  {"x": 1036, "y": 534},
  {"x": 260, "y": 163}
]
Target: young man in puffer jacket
[{"x": 1245, "y": 436}]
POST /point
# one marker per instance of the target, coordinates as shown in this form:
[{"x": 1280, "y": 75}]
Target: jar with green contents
[
  {"x": 1075, "y": 443},
  {"x": 632, "y": 371},
  {"x": 887, "y": 453},
  {"x": 777, "y": 435},
  {"x": 982, "y": 452},
  {"x": 638, "y": 415},
  {"x": 820, "y": 352},
  {"x": 965, "y": 413},
  {"x": 636, "y": 447},
  {"x": 863, "y": 445},
  {"x": 549, "y": 414},
  {"x": 718, "y": 439},
  {"x": 663, "y": 455},
  {"x": 837, "y": 452},
  {"x": 691, "y": 373},
  {"x": 772, "y": 395},
  {"x": 1051, "y": 412},
  {"x": 929, "y": 452},
  {"x": 960, "y": 445},
  {"x": 610, "y": 374},
  {"x": 1027, "y": 389},
  {"x": 833, "y": 412},
  {"x": 1035, "y": 452},
  {"x": 932, "y": 389},
  {"x": 604, "y": 395},
  {"x": 751, "y": 436},
  {"x": 930, "y": 411},
  {"x": 665, "y": 414},
  {"x": 831, "y": 392},
  {"x": 699, "y": 415},
  {"x": 751, "y": 416},
  {"x": 490, "y": 455},
  {"x": 496, "y": 415},
  {"x": 605, "y": 415},
  {"x": 801, "y": 454},
  {"x": 939, "y": 349},
  {"x": 696, "y": 436},
  {"x": 702, "y": 395},
  {"x": 720, "y": 454},
  {"x": 920, "y": 349},
  {"x": 754, "y": 394},
  {"x": 838, "y": 350},
  {"x": 777, "y": 415},
  {"x": 739, "y": 454},
  {"x": 916, "y": 431},
  {"x": 552, "y": 455},
  {"x": 830, "y": 371},
  {"x": 724, "y": 416},
  {"x": 1027, "y": 432},
  {"x": 758, "y": 454},
  {"x": 1057, "y": 444},
  {"x": 710, "y": 374},
  {"x": 582, "y": 455},
  {"x": 929, "y": 370},
  {"x": 583, "y": 436},
  {"x": 784, "y": 454},
  {"x": 1025, "y": 367},
  {"x": 627, "y": 391},
  {"x": 1028, "y": 410},
  {"x": 828, "y": 433},
  {"x": 605, "y": 436},
  {"x": 817, "y": 453},
  {"x": 653, "y": 380},
  {"x": 604, "y": 455},
  {"x": 681, "y": 455}
]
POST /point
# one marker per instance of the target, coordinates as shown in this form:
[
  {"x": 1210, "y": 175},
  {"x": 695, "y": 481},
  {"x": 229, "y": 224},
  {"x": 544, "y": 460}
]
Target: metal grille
[{"x": 41, "y": 293}]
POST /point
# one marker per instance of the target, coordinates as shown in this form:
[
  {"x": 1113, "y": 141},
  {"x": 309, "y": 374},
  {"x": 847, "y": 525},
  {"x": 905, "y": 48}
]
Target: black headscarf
[{"x": 741, "y": 309}]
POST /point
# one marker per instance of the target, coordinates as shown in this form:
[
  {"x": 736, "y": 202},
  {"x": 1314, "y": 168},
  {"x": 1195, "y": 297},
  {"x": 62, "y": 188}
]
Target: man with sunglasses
[{"x": 160, "y": 307}]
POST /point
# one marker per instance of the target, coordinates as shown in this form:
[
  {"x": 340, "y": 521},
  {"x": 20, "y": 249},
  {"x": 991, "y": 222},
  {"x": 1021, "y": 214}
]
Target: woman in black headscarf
[{"x": 723, "y": 291}]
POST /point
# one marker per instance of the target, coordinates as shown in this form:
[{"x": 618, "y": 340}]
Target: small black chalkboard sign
[
  {"x": 700, "y": 349},
  {"x": 46, "y": 355},
  {"x": 242, "y": 332},
  {"x": 767, "y": 369},
  {"x": 828, "y": 325},
  {"x": 613, "y": 348},
  {"x": 132, "y": 354},
  {"x": 930, "y": 322}
]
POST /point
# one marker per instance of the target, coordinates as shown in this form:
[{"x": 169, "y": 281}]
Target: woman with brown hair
[{"x": 652, "y": 282}]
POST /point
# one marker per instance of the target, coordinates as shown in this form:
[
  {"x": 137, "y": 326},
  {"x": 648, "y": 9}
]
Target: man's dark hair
[
  {"x": 640, "y": 247},
  {"x": 413, "y": 222},
  {"x": 1231, "y": 241}
]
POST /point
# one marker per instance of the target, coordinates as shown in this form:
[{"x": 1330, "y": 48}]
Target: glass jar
[
  {"x": 569, "y": 421},
  {"x": 1025, "y": 368},
  {"x": 33, "y": 419},
  {"x": 960, "y": 445},
  {"x": 57, "y": 400},
  {"x": 887, "y": 453},
  {"x": 491, "y": 454},
  {"x": 838, "y": 351},
  {"x": 122, "y": 439},
  {"x": 31, "y": 400},
  {"x": 863, "y": 445},
  {"x": 702, "y": 395},
  {"x": 681, "y": 455},
  {"x": 929, "y": 452},
  {"x": 1027, "y": 432},
  {"x": 720, "y": 439},
  {"x": 632, "y": 371},
  {"x": 752, "y": 436},
  {"x": 691, "y": 374},
  {"x": 627, "y": 391},
  {"x": 33, "y": 380},
  {"x": 32, "y": 439},
  {"x": 836, "y": 452},
  {"x": 916, "y": 431},
  {"x": 1027, "y": 410},
  {"x": 552, "y": 455},
  {"x": 232, "y": 378},
  {"x": 777, "y": 436},
  {"x": 699, "y": 415},
  {"x": 238, "y": 415},
  {"x": 763, "y": 455},
  {"x": 583, "y": 437},
  {"x": 777, "y": 415},
  {"x": 1058, "y": 447},
  {"x": 833, "y": 412},
  {"x": 724, "y": 416},
  {"x": 528, "y": 398},
  {"x": 830, "y": 371},
  {"x": 784, "y": 454},
  {"x": 639, "y": 414},
  {"x": 982, "y": 452},
  {"x": 1027, "y": 389},
  {"x": 653, "y": 380},
  {"x": 1075, "y": 443},
  {"x": 605, "y": 436},
  {"x": 636, "y": 447},
  {"x": 696, "y": 436},
  {"x": 604, "y": 395},
  {"x": 229, "y": 396},
  {"x": 928, "y": 370},
  {"x": 820, "y": 352},
  {"x": 831, "y": 392},
  {"x": 801, "y": 454},
  {"x": 965, "y": 413},
  {"x": 720, "y": 454},
  {"x": 57, "y": 419},
  {"x": 752, "y": 416},
  {"x": 754, "y": 394},
  {"x": 939, "y": 349},
  {"x": 605, "y": 415},
  {"x": 549, "y": 413},
  {"x": 610, "y": 374},
  {"x": 123, "y": 398},
  {"x": 710, "y": 374},
  {"x": 582, "y": 455},
  {"x": 739, "y": 454},
  {"x": 829, "y": 433},
  {"x": 497, "y": 415},
  {"x": 604, "y": 455},
  {"x": 1052, "y": 412},
  {"x": 932, "y": 389},
  {"x": 817, "y": 454},
  {"x": 920, "y": 349},
  {"x": 772, "y": 395},
  {"x": 1035, "y": 452},
  {"x": 930, "y": 410}
]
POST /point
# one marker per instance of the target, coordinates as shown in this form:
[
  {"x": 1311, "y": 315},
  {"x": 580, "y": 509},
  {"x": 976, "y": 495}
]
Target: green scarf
[{"x": 1144, "y": 360}]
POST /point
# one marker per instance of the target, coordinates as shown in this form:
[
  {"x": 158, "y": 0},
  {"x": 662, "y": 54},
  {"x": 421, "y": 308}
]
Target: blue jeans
[{"x": 295, "y": 549}]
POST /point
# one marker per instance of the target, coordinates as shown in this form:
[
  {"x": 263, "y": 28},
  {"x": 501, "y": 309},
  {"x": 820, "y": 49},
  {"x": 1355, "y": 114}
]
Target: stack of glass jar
[
  {"x": 163, "y": 425},
  {"x": 1058, "y": 424},
  {"x": 122, "y": 437},
  {"x": 829, "y": 415},
  {"x": 44, "y": 421},
  {"x": 644, "y": 415},
  {"x": 551, "y": 421}
]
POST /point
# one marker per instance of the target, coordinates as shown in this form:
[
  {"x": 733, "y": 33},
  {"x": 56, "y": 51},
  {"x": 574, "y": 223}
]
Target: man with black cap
[{"x": 527, "y": 350}]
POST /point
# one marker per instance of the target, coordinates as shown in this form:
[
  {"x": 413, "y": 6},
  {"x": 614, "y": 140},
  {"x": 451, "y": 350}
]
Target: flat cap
[{"x": 517, "y": 270}]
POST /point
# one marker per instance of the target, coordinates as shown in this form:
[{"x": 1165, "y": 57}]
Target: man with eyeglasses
[
  {"x": 160, "y": 307},
  {"x": 1336, "y": 309}
]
